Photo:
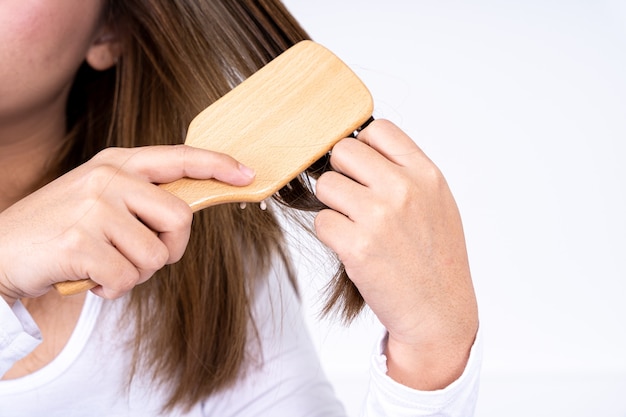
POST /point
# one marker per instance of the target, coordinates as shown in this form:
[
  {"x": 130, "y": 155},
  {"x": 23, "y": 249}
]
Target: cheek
[
  {"x": 42, "y": 43},
  {"x": 56, "y": 34}
]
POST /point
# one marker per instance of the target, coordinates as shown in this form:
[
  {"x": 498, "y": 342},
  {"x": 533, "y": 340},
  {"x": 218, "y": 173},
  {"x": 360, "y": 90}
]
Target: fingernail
[{"x": 248, "y": 172}]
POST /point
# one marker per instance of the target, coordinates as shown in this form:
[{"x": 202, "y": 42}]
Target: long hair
[{"x": 192, "y": 319}]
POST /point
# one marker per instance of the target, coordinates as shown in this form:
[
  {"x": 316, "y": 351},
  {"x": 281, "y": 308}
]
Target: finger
[
  {"x": 163, "y": 164},
  {"x": 106, "y": 266},
  {"x": 342, "y": 194},
  {"x": 391, "y": 142},
  {"x": 164, "y": 214},
  {"x": 359, "y": 161},
  {"x": 335, "y": 231},
  {"x": 137, "y": 243}
]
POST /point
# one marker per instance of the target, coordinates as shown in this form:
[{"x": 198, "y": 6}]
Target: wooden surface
[{"x": 278, "y": 122}]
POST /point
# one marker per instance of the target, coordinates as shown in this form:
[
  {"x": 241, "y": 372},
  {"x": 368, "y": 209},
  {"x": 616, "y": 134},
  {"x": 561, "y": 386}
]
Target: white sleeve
[
  {"x": 19, "y": 334},
  {"x": 388, "y": 398}
]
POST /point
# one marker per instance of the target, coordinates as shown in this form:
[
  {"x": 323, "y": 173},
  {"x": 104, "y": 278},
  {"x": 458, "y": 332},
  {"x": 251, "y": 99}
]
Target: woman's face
[{"x": 42, "y": 44}]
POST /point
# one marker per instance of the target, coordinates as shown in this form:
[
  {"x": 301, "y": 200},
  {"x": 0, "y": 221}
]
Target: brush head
[{"x": 278, "y": 121}]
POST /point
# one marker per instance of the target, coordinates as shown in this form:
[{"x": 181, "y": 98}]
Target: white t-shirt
[{"x": 89, "y": 377}]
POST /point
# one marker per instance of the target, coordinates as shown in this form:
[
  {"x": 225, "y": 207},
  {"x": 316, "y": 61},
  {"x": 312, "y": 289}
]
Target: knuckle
[
  {"x": 181, "y": 150},
  {"x": 72, "y": 241},
  {"x": 320, "y": 223},
  {"x": 325, "y": 182},
  {"x": 147, "y": 253},
  {"x": 341, "y": 150},
  {"x": 360, "y": 251},
  {"x": 179, "y": 218},
  {"x": 344, "y": 145},
  {"x": 175, "y": 257},
  {"x": 155, "y": 257},
  {"x": 379, "y": 212},
  {"x": 432, "y": 176},
  {"x": 125, "y": 279},
  {"x": 106, "y": 155},
  {"x": 404, "y": 192},
  {"x": 144, "y": 276},
  {"x": 322, "y": 182},
  {"x": 183, "y": 217},
  {"x": 407, "y": 190},
  {"x": 181, "y": 153},
  {"x": 99, "y": 177}
]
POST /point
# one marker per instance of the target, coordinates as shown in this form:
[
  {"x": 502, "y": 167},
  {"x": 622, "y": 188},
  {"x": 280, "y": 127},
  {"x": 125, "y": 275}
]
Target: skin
[
  {"x": 392, "y": 219},
  {"x": 397, "y": 229},
  {"x": 31, "y": 105}
]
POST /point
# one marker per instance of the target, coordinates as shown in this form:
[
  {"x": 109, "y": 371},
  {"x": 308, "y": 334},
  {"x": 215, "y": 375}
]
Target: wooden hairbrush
[{"x": 279, "y": 121}]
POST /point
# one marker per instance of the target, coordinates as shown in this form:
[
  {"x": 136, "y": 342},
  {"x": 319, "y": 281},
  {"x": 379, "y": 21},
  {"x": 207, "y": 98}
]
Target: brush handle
[{"x": 74, "y": 287}]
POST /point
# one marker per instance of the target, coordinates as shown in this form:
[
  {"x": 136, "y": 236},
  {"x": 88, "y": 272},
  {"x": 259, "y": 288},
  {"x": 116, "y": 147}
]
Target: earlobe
[{"x": 104, "y": 51}]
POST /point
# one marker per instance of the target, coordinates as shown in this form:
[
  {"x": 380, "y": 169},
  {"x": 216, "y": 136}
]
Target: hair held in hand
[{"x": 193, "y": 318}]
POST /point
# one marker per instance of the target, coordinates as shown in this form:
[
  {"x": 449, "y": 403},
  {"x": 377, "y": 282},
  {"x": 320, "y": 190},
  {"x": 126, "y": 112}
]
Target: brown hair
[{"x": 178, "y": 57}]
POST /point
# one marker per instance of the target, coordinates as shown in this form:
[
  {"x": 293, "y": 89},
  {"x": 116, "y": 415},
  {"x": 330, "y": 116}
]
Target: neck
[{"x": 27, "y": 148}]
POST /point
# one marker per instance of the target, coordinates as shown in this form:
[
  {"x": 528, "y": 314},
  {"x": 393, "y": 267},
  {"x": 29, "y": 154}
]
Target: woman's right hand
[{"x": 106, "y": 220}]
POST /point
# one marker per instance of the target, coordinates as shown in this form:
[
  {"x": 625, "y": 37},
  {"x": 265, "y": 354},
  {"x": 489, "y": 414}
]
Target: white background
[{"x": 522, "y": 104}]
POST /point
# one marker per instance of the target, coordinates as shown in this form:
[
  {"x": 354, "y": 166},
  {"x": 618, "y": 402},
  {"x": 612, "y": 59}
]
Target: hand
[
  {"x": 395, "y": 226},
  {"x": 105, "y": 220}
]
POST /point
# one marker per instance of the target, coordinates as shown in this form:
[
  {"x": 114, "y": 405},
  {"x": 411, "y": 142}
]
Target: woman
[{"x": 213, "y": 329}]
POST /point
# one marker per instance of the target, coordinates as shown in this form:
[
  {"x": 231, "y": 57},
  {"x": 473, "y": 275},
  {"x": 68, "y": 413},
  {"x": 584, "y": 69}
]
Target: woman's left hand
[{"x": 395, "y": 226}]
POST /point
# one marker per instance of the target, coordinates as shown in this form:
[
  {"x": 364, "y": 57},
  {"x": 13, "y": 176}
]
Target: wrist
[{"x": 432, "y": 363}]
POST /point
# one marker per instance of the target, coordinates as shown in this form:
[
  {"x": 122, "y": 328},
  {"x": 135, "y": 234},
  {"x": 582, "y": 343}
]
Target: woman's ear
[{"x": 105, "y": 50}]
